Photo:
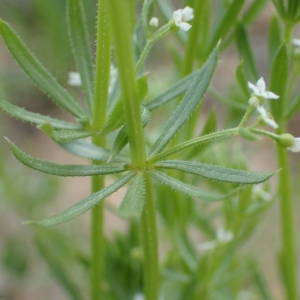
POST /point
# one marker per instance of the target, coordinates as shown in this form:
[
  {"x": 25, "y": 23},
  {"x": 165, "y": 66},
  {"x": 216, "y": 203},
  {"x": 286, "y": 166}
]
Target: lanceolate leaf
[
  {"x": 134, "y": 200},
  {"x": 64, "y": 135},
  {"x": 81, "y": 45},
  {"x": 279, "y": 79},
  {"x": 35, "y": 118},
  {"x": 64, "y": 170},
  {"x": 215, "y": 172},
  {"x": 90, "y": 151},
  {"x": 185, "y": 188},
  {"x": 37, "y": 72},
  {"x": 83, "y": 205},
  {"x": 189, "y": 103},
  {"x": 174, "y": 91}
]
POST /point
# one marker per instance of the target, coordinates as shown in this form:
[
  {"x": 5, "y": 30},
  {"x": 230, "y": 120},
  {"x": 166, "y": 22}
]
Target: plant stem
[
  {"x": 103, "y": 48},
  {"x": 149, "y": 240},
  {"x": 289, "y": 257},
  {"x": 132, "y": 110}
]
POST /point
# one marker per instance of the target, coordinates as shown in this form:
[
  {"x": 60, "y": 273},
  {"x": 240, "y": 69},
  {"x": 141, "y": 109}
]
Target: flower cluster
[
  {"x": 182, "y": 16},
  {"x": 259, "y": 94}
]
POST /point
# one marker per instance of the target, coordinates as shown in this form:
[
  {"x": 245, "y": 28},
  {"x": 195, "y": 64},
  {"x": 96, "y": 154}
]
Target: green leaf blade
[
  {"x": 279, "y": 79},
  {"x": 134, "y": 200},
  {"x": 38, "y": 73},
  {"x": 184, "y": 188},
  {"x": 22, "y": 114},
  {"x": 216, "y": 172},
  {"x": 83, "y": 205},
  {"x": 189, "y": 103},
  {"x": 80, "y": 42},
  {"x": 63, "y": 170}
]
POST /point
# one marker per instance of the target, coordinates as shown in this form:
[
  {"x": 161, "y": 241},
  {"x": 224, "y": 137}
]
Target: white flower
[
  {"x": 295, "y": 146},
  {"x": 222, "y": 237},
  {"x": 74, "y": 79},
  {"x": 182, "y": 16},
  {"x": 138, "y": 296},
  {"x": 258, "y": 191},
  {"x": 259, "y": 90},
  {"x": 266, "y": 117},
  {"x": 296, "y": 42},
  {"x": 154, "y": 22}
]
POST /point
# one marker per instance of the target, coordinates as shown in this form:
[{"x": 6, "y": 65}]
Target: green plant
[{"x": 115, "y": 114}]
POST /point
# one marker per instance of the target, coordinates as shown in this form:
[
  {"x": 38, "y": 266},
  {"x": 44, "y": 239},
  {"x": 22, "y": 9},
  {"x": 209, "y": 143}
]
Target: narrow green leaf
[
  {"x": 178, "y": 88},
  {"x": 133, "y": 203},
  {"x": 216, "y": 172},
  {"x": 64, "y": 170},
  {"x": 80, "y": 42},
  {"x": 37, "y": 72},
  {"x": 64, "y": 135},
  {"x": 208, "y": 138},
  {"x": 189, "y": 103},
  {"x": 83, "y": 205},
  {"x": 90, "y": 151},
  {"x": 275, "y": 39},
  {"x": 242, "y": 79},
  {"x": 185, "y": 188},
  {"x": 279, "y": 79},
  {"x": 292, "y": 107},
  {"x": 35, "y": 118},
  {"x": 121, "y": 140},
  {"x": 246, "y": 53},
  {"x": 227, "y": 22},
  {"x": 209, "y": 127},
  {"x": 253, "y": 10},
  {"x": 57, "y": 266}
]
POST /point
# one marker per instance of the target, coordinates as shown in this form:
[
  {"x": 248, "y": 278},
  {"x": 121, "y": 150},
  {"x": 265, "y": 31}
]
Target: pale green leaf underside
[
  {"x": 189, "y": 103},
  {"x": 83, "y": 205},
  {"x": 64, "y": 170},
  {"x": 185, "y": 188},
  {"x": 80, "y": 42},
  {"x": 34, "y": 118},
  {"x": 215, "y": 172},
  {"x": 38, "y": 73},
  {"x": 134, "y": 200},
  {"x": 90, "y": 151}
]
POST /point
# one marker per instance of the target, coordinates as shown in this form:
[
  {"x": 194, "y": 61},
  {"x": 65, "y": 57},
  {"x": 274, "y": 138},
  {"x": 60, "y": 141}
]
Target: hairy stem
[
  {"x": 132, "y": 110},
  {"x": 103, "y": 49},
  {"x": 289, "y": 257}
]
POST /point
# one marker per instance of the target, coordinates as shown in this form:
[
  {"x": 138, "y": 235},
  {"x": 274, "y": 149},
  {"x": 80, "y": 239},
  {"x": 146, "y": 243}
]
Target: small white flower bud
[{"x": 154, "y": 22}]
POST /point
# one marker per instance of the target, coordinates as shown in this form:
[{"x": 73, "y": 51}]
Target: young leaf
[
  {"x": 37, "y": 72},
  {"x": 184, "y": 188},
  {"x": 63, "y": 170},
  {"x": 80, "y": 42},
  {"x": 133, "y": 203},
  {"x": 189, "y": 103},
  {"x": 35, "y": 118},
  {"x": 83, "y": 205},
  {"x": 215, "y": 172},
  {"x": 279, "y": 79}
]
